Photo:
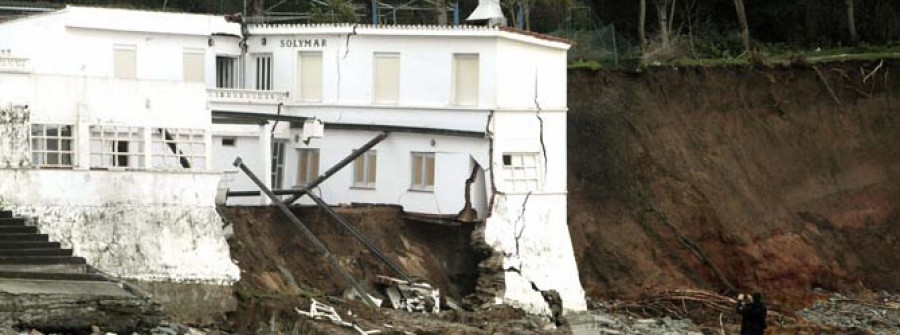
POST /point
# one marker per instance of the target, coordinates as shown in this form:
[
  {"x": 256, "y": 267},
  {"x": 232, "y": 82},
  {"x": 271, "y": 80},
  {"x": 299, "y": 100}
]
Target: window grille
[
  {"x": 175, "y": 148},
  {"x": 51, "y": 145},
  {"x": 521, "y": 171},
  {"x": 117, "y": 147},
  {"x": 264, "y": 72},
  {"x": 226, "y": 76},
  {"x": 277, "y": 164}
]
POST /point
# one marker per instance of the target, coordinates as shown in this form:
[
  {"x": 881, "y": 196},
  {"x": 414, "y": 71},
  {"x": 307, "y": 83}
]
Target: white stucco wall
[
  {"x": 453, "y": 162},
  {"x": 139, "y": 225},
  {"x": 79, "y": 41}
]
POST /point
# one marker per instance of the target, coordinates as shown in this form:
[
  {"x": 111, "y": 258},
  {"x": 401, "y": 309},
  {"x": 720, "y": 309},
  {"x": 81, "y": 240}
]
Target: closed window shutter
[
  {"x": 193, "y": 66},
  {"x": 125, "y": 62},
  {"x": 310, "y": 76},
  {"x": 387, "y": 78},
  {"x": 467, "y": 85}
]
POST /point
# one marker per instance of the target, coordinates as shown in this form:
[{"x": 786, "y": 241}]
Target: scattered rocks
[{"x": 880, "y": 315}]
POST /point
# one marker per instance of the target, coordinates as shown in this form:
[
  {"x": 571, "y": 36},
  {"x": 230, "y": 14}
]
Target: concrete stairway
[
  {"x": 27, "y": 254},
  {"x": 44, "y": 286}
]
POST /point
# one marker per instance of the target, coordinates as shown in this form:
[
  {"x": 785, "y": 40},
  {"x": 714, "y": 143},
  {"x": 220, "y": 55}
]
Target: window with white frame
[
  {"x": 465, "y": 79},
  {"x": 117, "y": 147},
  {"x": 125, "y": 61},
  {"x": 226, "y": 72},
  {"x": 193, "y": 65},
  {"x": 263, "y": 72},
  {"x": 51, "y": 145},
  {"x": 386, "y": 78},
  {"x": 308, "y": 167},
  {"x": 422, "y": 171},
  {"x": 309, "y": 76},
  {"x": 365, "y": 170},
  {"x": 278, "y": 164},
  {"x": 522, "y": 172},
  {"x": 174, "y": 148}
]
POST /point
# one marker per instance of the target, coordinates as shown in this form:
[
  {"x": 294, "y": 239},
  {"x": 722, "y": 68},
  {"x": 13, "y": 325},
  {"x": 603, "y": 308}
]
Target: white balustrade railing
[
  {"x": 13, "y": 64},
  {"x": 241, "y": 95}
]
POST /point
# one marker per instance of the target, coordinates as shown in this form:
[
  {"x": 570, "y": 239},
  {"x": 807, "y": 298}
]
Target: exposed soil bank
[
  {"x": 276, "y": 260},
  {"x": 785, "y": 179}
]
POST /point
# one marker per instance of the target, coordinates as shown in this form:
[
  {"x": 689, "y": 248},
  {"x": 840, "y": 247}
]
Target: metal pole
[
  {"x": 456, "y": 13},
  {"x": 239, "y": 163},
  {"x": 337, "y": 167},
  {"x": 374, "y": 12},
  {"x": 359, "y": 237}
]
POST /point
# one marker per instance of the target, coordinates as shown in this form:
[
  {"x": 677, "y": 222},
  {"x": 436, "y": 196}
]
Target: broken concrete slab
[{"x": 62, "y": 287}]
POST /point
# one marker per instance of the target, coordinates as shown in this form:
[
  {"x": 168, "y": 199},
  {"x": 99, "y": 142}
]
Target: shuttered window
[
  {"x": 422, "y": 171},
  {"x": 193, "y": 65},
  {"x": 309, "y": 166},
  {"x": 386, "y": 77},
  {"x": 309, "y": 82},
  {"x": 466, "y": 81},
  {"x": 365, "y": 170},
  {"x": 125, "y": 61}
]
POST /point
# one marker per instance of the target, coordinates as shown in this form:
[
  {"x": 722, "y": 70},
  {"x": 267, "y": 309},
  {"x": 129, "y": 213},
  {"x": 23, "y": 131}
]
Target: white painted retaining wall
[{"x": 154, "y": 226}]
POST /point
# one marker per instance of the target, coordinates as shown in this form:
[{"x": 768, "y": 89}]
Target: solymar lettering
[{"x": 302, "y": 43}]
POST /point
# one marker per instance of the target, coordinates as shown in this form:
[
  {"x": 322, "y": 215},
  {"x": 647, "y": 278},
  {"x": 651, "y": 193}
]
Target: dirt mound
[
  {"x": 275, "y": 257},
  {"x": 773, "y": 179}
]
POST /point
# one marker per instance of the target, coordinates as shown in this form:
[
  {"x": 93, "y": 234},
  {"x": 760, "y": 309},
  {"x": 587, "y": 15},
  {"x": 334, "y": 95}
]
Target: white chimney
[{"x": 489, "y": 10}]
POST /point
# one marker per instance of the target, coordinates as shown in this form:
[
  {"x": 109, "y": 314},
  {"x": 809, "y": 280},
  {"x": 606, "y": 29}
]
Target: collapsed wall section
[{"x": 531, "y": 234}]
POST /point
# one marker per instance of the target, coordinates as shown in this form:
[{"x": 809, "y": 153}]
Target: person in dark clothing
[{"x": 753, "y": 314}]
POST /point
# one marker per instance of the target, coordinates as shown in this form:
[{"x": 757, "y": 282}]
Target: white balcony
[
  {"x": 245, "y": 96},
  {"x": 11, "y": 64}
]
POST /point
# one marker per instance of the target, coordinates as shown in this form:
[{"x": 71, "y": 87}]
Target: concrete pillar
[
  {"x": 83, "y": 138},
  {"x": 148, "y": 147},
  {"x": 265, "y": 152}
]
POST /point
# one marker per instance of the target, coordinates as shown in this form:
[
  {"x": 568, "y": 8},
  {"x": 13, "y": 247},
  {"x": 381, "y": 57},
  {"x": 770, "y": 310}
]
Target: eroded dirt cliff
[{"x": 779, "y": 179}]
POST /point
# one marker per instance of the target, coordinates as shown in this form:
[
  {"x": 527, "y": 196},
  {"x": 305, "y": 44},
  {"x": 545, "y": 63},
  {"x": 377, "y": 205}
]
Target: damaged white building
[{"x": 118, "y": 125}]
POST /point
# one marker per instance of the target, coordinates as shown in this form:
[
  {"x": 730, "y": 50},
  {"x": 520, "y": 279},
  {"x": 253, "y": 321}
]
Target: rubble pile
[
  {"x": 879, "y": 315},
  {"x": 597, "y": 322}
]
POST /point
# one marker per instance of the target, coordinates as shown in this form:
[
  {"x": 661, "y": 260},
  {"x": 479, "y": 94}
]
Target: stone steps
[
  {"x": 35, "y": 252},
  {"x": 16, "y": 222},
  {"x": 18, "y": 230},
  {"x": 15, "y": 237},
  {"x": 28, "y": 245},
  {"x": 52, "y": 276},
  {"x": 41, "y": 260},
  {"x": 43, "y": 284},
  {"x": 44, "y": 268}
]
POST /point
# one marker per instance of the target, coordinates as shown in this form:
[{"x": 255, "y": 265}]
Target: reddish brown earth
[{"x": 769, "y": 180}]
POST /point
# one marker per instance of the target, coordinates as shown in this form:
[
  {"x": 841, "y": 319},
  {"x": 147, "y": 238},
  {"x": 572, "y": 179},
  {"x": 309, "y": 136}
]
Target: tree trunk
[
  {"x": 441, "y": 12},
  {"x": 642, "y": 19},
  {"x": 851, "y": 22},
  {"x": 662, "y": 7},
  {"x": 742, "y": 19}
]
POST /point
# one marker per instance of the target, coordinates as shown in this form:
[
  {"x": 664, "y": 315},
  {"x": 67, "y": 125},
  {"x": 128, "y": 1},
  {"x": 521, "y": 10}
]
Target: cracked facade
[{"x": 169, "y": 107}]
